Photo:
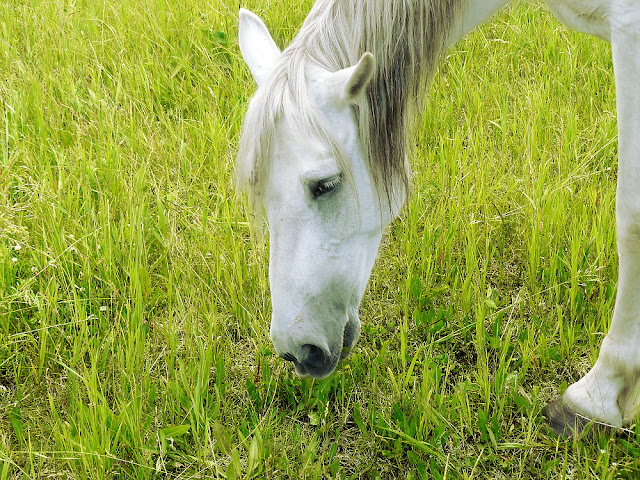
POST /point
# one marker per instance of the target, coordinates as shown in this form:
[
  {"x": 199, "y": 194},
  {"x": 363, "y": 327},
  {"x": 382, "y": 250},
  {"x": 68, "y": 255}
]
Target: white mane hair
[{"x": 406, "y": 37}]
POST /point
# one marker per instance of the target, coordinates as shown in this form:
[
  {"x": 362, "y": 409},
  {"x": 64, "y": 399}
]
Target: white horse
[{"x": 322, "y": 153}]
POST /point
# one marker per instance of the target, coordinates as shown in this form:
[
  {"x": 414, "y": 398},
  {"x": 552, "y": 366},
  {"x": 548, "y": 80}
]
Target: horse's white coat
[{"x": 323, "y": 249}]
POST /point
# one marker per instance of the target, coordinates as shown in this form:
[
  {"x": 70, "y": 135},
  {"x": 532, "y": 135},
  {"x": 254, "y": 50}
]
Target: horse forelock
[
  {"x": 284, "y": 93},
  {"x": 407, "y": 38}
]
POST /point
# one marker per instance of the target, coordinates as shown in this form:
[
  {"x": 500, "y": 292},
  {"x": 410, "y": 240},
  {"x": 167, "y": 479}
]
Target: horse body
[{"x": 322, "y": 154}]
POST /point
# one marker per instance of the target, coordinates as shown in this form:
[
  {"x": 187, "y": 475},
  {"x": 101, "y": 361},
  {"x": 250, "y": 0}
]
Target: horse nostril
[
  {"x": 288, "y": 357},
  {"x": 313, "y": 357},
  {"x": 312, "y": 361}
]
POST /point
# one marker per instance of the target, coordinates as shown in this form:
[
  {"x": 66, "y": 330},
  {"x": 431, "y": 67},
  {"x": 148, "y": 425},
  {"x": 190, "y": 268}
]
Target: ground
[{"x": 134, "y": 306}]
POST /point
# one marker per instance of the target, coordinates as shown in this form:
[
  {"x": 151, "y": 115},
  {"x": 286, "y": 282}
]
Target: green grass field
[{"x": 134, "y": 306}]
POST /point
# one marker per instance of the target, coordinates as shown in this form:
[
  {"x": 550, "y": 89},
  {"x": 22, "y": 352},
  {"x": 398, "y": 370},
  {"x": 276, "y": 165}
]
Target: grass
[{"x": 134, "y": 307}]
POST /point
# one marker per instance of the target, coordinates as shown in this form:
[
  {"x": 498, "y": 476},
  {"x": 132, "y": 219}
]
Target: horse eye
[{"x": 325, "y": 186}]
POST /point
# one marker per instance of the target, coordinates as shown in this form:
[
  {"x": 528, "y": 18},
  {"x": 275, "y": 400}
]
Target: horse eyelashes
[{"x": 325, "y": 186}]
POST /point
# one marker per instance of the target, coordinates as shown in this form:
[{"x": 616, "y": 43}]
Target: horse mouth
[
  {"x": 350, "y": 336},
  {"x": 347, "y": 347}
]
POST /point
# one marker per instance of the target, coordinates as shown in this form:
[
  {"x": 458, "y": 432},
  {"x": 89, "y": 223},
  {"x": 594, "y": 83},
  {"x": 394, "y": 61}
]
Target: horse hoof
[
  {"x": 568, "y": 424},
  {"x": 563, "y": 421}
]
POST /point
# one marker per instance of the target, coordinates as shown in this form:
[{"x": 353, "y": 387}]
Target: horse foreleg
[{"x": 610, "y": 392}]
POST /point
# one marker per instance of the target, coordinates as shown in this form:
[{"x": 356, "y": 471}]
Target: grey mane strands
[{"x": 407, "y": 38}]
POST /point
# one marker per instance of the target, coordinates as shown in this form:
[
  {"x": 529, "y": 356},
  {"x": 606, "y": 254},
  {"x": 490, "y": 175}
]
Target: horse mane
[{"x": 407, "y": 38}]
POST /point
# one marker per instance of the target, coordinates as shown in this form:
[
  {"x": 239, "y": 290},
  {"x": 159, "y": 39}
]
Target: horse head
[{"x": 323, "y": 209}]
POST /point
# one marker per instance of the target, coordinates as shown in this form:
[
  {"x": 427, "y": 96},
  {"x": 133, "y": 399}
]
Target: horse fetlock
[
  {"x": 595, "y": 400},
  {"x": 609, "y": 393}
]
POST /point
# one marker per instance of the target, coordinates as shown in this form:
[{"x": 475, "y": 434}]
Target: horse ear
[
  {"x": 257, "y": 47},
  {"x": 350, "y": 83}
]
